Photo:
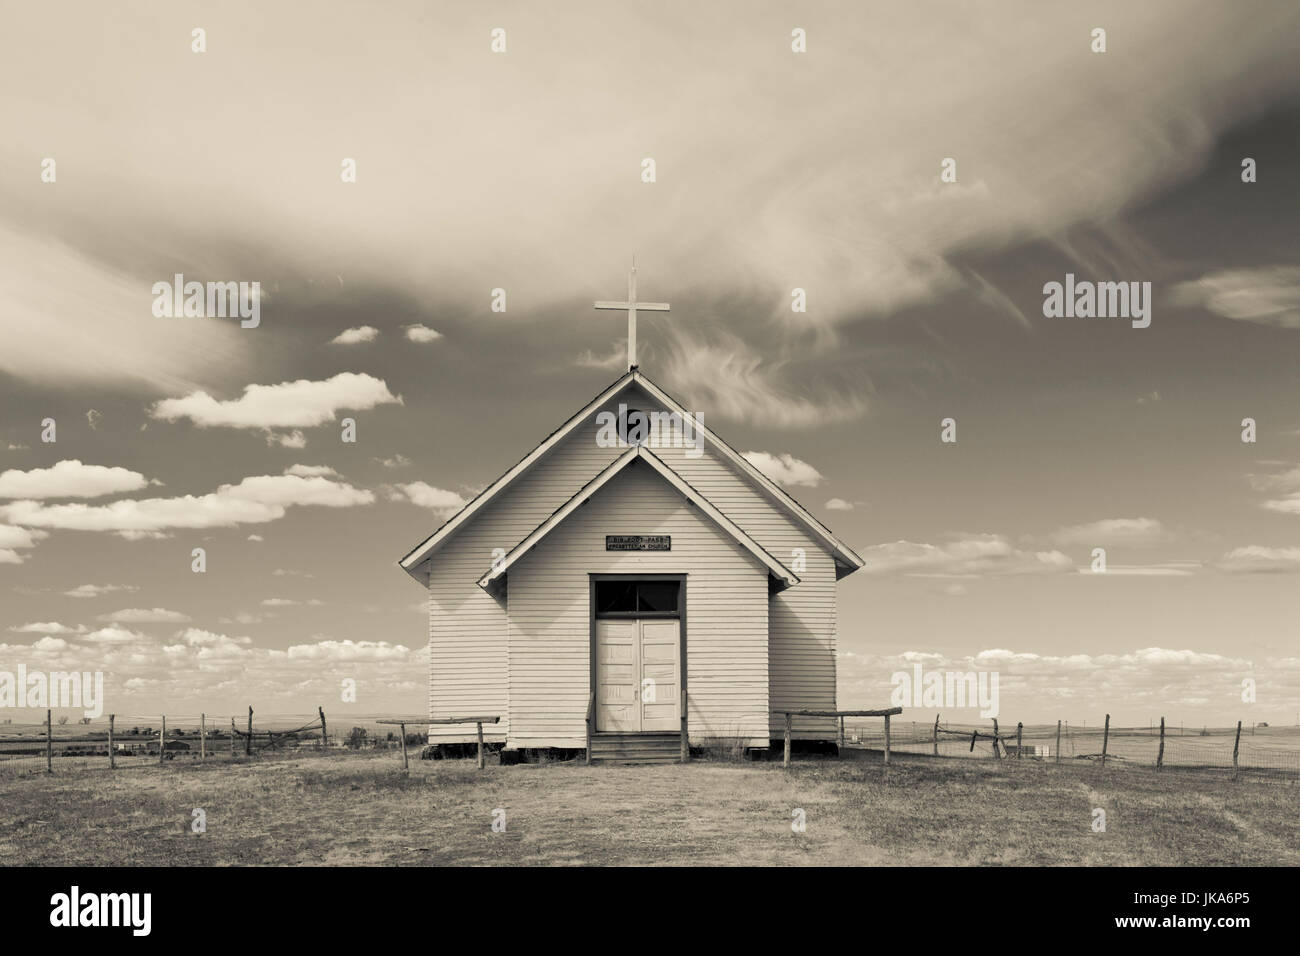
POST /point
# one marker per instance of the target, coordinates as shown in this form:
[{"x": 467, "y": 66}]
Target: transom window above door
[{"x": 637, "y": 597}]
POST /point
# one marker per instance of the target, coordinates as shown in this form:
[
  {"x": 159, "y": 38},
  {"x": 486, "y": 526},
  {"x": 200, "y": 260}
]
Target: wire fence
[
  {"x": 134, "y": 740},
  {"x": 124, "y": 740},
  {"x": 1260, "y": 751}
]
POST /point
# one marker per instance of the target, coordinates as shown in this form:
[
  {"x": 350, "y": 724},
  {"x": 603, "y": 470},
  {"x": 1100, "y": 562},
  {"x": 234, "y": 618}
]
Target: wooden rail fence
[{"x": 478, "y": 722}]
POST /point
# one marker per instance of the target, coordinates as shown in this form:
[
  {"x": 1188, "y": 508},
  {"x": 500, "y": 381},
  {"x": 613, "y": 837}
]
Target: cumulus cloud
[
  {"x": 421, "y": 333},
  {"x": 199, "y": 669},
  {"x": 290, "y": 602},
  {"x": 438, "y": 500},
  {"x": 785, "y": 469},
  {"x": 140, "y": 615},
  {"x": 116, "y": 635},
  {"x": 839, "y": 504},
  {"x": 255, "y": 500},
  {"x": 312, "y": 471},
  {"x": 348, "y": 651},
  {"x": 362, "y": 333},
  {"x": 1268, "y": 295},
  {"x": 1112, "y": 531},
  {"x": 299, "y": 404},
  {"x": 397, "y": 461},
  {"x": 1041, "y": 686},
  {"x": 984, "y": 554},
  {"x": 12, "y": 538},
  {"x": 69, "y": 479}
]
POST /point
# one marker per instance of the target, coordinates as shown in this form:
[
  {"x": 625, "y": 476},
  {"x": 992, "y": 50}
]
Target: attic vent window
[{"x": 633, "y": 426}]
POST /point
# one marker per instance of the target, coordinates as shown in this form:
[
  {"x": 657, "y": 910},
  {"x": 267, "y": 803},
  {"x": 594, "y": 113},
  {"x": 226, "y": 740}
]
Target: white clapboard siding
[
  {"x": 800, "y": 668},
  {"x": 802, "y": 620},
  {"x": 726, "y": 615}
]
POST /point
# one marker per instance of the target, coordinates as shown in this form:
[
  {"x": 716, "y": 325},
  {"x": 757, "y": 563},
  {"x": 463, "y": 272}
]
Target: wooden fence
[
  {"x": 841, "y": 714},
  {"x": 478, "y": 722},
  {"x": 169, "y": 746},
  {"x": 1270, "y": 752}
]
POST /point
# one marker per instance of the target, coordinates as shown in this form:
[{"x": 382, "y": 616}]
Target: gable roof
[
  {"x": 846, "y": 560},
  {"x": 783, "y": 576}
]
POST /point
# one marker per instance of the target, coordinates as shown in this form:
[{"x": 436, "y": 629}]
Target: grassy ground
[{"x": 358, "y": 808}]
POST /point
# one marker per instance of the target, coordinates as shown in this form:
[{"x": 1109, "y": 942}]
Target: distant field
[{"x": 345, "y": 807}]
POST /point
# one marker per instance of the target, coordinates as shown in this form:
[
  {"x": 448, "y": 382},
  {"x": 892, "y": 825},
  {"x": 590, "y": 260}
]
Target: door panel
[
  {"x": 660, "y": 648},
  {"x": 618, "y": 664}
]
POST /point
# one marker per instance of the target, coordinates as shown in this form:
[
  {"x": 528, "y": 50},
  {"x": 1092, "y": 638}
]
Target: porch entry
[{"x": 638, "y": 656}]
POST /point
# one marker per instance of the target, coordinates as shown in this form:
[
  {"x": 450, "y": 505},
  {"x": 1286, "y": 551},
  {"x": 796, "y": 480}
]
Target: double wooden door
[{"x": 638, "y": 674}]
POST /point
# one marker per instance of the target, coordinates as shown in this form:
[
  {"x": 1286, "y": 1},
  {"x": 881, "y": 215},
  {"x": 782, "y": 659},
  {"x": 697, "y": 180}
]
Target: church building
[{"x": 630, "y": 585}]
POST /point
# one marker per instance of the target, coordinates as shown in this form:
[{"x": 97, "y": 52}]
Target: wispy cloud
[
  {"x": 1113, "y": 531},
  {"x": 1255, "y": 559},
  {"x": 975, "y": 555},
  {"x": 1268, "y": 295},
  {"x": 729, "y": 378}
]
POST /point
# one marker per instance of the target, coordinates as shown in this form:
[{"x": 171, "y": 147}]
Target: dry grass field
[{"x": 358, "y": 808}]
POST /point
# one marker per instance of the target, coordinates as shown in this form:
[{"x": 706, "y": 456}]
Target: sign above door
[{"x": 638, "y": 542}]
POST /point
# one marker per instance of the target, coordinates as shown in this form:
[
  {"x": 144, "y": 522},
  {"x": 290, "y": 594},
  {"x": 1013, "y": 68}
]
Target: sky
[{"x": 522, "y": 171}]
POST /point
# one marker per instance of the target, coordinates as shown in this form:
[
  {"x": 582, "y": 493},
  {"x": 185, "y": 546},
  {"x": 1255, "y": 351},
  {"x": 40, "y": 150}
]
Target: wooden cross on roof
[{"x": 632, "y": 305}]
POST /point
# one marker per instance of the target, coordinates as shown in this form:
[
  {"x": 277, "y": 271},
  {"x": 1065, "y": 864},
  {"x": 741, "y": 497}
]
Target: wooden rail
[
  {"x": 478, "y": 722},
  {"x": 791, "y": 714}
]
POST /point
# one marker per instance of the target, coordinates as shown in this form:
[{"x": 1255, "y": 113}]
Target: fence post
[
  {"x": 49, "y": 744},
  {"x": 1160, "y": 754},
  {"x": 232, "y": 738},
  {"x": 1105, "y": 740},
  {"x": 248, "y": 741},
  {"x": 162, "y": 739},
  {"x": 936, "y": 735},
  {"x": 974, "y": 734},
  {"x": 1020, "y": 727},
  {"x": 402, "y": 728},
  {"x": 787, "y": 738},
  {"x": 1058, "y": 741},
  {"x": 886, "y": 739},
  {"x": 685, "y": 730},
  {"x": 112, "y": 751},
  {"x": 324, "y": 737},
  {"x": 841, "y": 744},
  {"x": 1236, "y": 746},
  {"x": 996, "y": 739},
  {"x": 203, "y": 736},
  {"x": 479, "y": 726}
]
